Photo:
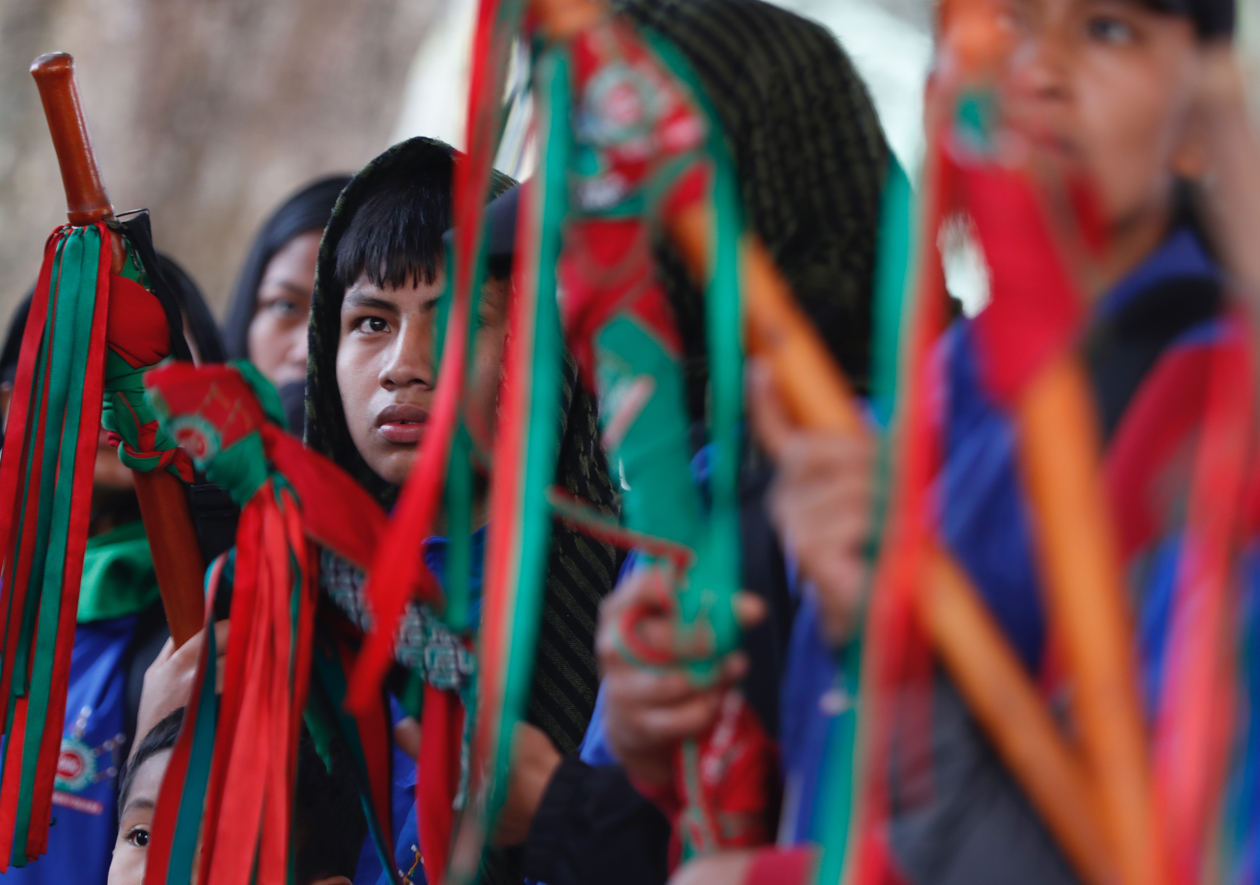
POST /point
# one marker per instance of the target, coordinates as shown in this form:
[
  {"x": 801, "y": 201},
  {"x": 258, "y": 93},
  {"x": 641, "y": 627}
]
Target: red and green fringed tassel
[
  {"x": 525, "y": 456},
  {"x": 231, "y": 784},
  {"x": 45, "y": 494},
  {"x": 88, "y": 333}
]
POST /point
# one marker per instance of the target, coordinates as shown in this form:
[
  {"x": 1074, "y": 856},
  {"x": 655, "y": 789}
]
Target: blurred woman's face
[{"x": 277, "y": 334}]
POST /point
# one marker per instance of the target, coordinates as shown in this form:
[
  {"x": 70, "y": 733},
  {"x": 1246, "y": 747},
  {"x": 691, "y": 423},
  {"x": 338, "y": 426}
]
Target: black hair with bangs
[
  {"x": 159, "y": 738},
  {"x": 395, "y": 236}
]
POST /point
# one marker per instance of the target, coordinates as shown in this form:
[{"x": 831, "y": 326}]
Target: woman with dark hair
[{"x": 266, "y": 322}]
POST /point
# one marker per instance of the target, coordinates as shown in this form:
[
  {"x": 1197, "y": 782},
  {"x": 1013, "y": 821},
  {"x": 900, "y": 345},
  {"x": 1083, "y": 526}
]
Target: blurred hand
[
  {"x": 534, "y": 760},
  {"x": 720, "y": 868},
  {"x": 407, "y": 736},
  {"x": 168, "y": 683},
  {"x": 820, "y": 503},
  {"x": 649, "y": 710}
]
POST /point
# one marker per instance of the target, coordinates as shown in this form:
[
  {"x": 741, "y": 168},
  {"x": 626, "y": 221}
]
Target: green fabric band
[{"x": 118, "y": 576}]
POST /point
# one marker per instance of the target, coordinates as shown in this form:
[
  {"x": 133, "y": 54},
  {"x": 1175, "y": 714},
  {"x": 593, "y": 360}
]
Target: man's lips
[{"x": 402, "y": 424}]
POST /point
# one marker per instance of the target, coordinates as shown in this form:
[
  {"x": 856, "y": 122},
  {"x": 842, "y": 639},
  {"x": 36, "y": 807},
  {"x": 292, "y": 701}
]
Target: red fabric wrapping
[
  {"x": 604, "y": 272},
  {"x": 137, "y": 330},
  {"x": 218, "y": 393},
  {"x": 437, "y": 779},
  {"x": 1156, "y": 433},
  {"x": 346, "y": 518},
  {"x": 170, "y": 459},
  {"x": 1035, "y": 309}
]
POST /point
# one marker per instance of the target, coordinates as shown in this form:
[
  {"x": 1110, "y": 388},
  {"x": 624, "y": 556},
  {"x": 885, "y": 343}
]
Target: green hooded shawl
[{"x": 582, "y": 570}]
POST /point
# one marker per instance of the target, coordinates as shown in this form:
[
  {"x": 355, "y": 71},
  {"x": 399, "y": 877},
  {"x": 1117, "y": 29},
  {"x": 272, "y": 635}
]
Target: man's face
[
  {"x": 1106, "y": 86},
  {"x": 132, "y": 846},
  {"x": 387, "y": 374}
]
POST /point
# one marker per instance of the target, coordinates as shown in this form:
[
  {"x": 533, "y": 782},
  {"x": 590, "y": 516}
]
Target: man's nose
[{"x": 410, "y": 359}]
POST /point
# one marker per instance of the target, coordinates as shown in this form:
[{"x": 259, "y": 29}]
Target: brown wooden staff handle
[
  {"x": 176, "y": 553},
  {"x": 163, "y": 502},
  {"x": 1086, "y": 596},
  {"x": 1010, "y": 709},
  {"x": 86, "y": 200},
  {"x": 988, "y": 674}
]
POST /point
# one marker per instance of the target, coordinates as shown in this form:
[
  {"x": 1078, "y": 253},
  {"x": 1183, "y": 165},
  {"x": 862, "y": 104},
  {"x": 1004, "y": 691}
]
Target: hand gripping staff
[
  {"x": 99, "y": 316},
  {"x": 228, "y": 794}
]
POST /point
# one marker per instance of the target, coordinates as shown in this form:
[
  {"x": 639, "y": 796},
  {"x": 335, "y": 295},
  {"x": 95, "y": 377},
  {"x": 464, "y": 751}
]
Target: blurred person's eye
[
  {"x": 1111, "y": 30},
  {"x": 285, "y": 307},
  {"x": 138, "y": 836}
]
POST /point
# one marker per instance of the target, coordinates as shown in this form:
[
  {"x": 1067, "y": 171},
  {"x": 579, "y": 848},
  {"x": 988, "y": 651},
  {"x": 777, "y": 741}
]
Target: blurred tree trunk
[{"x": 207, "y": 112}]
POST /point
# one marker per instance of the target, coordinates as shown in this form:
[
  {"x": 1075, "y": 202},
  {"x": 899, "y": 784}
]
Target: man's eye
[
  {"x": 138, "y": 836},
  {"x": 371, "y": 324},
  {"x": 1110, "y": 30}
]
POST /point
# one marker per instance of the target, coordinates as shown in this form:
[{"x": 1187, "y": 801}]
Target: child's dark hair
[
  {"x": 328, "y": 821},
  {"x": 395, "y": 236},
  {"x": 160, "y": 737}
]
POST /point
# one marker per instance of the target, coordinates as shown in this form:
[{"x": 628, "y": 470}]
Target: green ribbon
[{"x": 834, "y": 824}]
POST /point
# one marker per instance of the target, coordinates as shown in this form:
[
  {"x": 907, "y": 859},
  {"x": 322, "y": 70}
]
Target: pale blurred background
[{"x": 209, "y": 112}]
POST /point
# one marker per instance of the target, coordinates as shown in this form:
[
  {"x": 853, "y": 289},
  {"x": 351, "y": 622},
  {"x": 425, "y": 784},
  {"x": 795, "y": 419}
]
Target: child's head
[
  {"x": 1108, "y": 86},
  {"x": 328, "y": 822},
  {"x": 389, "y": 261},
  {"x": 137, "y": 797}
]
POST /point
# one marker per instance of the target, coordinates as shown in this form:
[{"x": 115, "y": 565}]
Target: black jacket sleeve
[{"x": 593, "y": 828}]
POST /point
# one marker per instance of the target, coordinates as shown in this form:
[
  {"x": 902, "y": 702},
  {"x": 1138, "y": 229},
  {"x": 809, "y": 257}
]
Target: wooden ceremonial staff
[{"x": 163, "y": 501}]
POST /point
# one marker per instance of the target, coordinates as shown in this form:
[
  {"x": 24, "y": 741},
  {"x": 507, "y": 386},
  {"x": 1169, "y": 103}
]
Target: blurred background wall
[{"x": 209, "y": 112}]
